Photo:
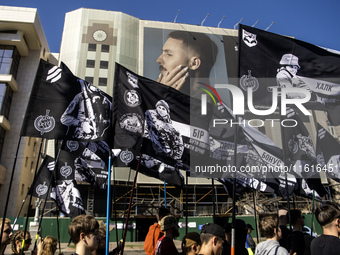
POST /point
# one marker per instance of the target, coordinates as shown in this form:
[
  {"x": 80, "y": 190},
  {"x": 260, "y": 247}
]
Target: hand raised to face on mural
[{"x": 175, "y": 78}]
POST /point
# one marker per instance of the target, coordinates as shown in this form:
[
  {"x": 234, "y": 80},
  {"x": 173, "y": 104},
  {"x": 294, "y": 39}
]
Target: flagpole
[
  {"x": 255, "y": 216},
  {"x": 108, "y": 205},
  {"x": 234, "y": 194},
  {"x": 42, "y": 213},
  {"x": 313, "y": 200},
  {"x": 22, "y": 205},
  {"x": 56, "y": 148},
  {"x": 131, "y": 198},
  {"x": 186, "y": 201},
  {"x": 9, "y": 189},
  {"x": 286, "y": 175},
  {"x": 165, "y": 195},
  {"x": 30, "y": 200},
  {"x": 114, "y": 204},
  {"x": 213, "y": 199}
]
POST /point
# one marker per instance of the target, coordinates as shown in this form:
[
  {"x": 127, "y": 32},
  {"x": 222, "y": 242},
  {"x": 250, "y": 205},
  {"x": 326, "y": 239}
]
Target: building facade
[{"x": 22, "y": 44}]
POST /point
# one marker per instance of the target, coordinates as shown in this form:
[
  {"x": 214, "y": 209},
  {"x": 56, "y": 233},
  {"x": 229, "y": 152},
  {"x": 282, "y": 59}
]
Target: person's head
[
  {"x": 193, "y": 50},
  {"x": 162, "y": 108},
  {"x": 49, "y": 245},
  {"x": 85, "y": 229},
  {"x": 227, "y": 230},
  {"x": 269, "y": 227},
  {"x": 240, "y": 233},
  {"x": 162, "y": 212},
  {"x": 169, "y": 225},
  {"x": 296, "y": 218},
  {"x": 102, "y": 233},
  {"x": 290, "y": 62},
  {"x": 7, "y": 232},
  {"x": 283, "y": 217},
  {"x": 249, "y": 228},
  {"x": 191, "y": 243},
  {"x": 328, "y": 216},
  {"x": 16, "y": 242},
  {"x": 212, "y": 237}
]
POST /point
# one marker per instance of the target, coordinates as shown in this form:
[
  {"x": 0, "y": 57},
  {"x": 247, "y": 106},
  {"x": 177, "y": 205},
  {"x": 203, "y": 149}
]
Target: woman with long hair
[
  {"x": 16, "y": 242},
  {"x": 48, "y": 245}
]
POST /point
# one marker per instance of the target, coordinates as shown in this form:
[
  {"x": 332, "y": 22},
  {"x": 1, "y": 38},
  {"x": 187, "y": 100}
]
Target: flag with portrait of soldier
[
  {"x": 279, "y": 66},
  {"x": 63, "y": 106},
  {"x": 158, "y": 125}
]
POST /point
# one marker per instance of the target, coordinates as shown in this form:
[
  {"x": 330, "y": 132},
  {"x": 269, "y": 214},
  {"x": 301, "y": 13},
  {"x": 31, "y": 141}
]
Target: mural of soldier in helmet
[{"x": 286, "y": 75}]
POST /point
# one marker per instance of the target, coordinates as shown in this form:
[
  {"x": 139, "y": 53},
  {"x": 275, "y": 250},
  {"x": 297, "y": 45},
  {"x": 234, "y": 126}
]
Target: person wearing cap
[
  {"x": 165, "y": 245},
  {"x": 269, "y": 228},
  {"x": 286, "y": 75},
  {"x": 250, "y": 244},
  {"x": 191, "y": 244},
  {"x": 328, "y": 243},
  {"x": 212, "y": 237}
]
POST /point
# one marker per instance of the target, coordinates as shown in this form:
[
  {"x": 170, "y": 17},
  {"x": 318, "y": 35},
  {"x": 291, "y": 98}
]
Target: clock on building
[{"x": 99, "y": 35}]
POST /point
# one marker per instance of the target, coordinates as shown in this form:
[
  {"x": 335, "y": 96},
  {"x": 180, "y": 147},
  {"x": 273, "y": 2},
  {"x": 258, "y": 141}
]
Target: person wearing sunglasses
[{"x": 16, "y": 242}]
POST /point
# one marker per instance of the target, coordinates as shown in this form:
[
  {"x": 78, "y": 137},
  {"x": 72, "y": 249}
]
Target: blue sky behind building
[{"x": 316, "y": 22}]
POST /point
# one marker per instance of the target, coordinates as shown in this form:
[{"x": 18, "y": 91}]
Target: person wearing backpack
[
  {"x": 269, "y": 228},
  {"x": 155, "y": 232}
]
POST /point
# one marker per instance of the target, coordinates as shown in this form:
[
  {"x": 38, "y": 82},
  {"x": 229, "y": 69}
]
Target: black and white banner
[
  {"x": 64, "y": 192},
  {"x": 273, "y": 65},
  {"x": 168, "y": 124},
  {"x": 62, "y": 106}
]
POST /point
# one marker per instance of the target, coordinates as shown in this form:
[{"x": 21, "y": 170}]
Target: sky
[{"x": 316, "y": 22}]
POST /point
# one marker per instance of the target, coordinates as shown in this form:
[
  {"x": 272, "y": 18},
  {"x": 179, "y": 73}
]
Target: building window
[
  {"x": 92, "y": 47},
  {"x": 6, "y": 94},
  {"x": 102, "y": 82},
  {"x": 105, "y": 48},
  {"x": 9, "y": 60},
  {"x": 89, "y": 79},
  {"x": 90, "y": 63},
  {"x": 104, "y": 64}
]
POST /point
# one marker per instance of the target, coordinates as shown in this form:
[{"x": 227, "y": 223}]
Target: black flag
[
  {"x": 44, "y": 178},
  {"x": 84, "y": 161},
  {"x": 167, "y": 122},
  {"x": 62, "y": 106},
  {"x": 64, "y": 192},
  {"x": 271, "y": 63}
]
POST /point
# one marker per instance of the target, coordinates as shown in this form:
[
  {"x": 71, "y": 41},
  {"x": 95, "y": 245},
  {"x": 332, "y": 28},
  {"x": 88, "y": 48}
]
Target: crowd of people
[
  {"x": 279, "y": 239},
  {"x": 89, "y": 236}
]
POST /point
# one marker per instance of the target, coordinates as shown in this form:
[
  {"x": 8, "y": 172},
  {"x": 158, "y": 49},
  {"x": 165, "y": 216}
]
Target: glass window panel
[
  {"x": 90, "y": 63},
  {"x": 102, "y": 82},
  {"x": 104, "y": 64}
]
